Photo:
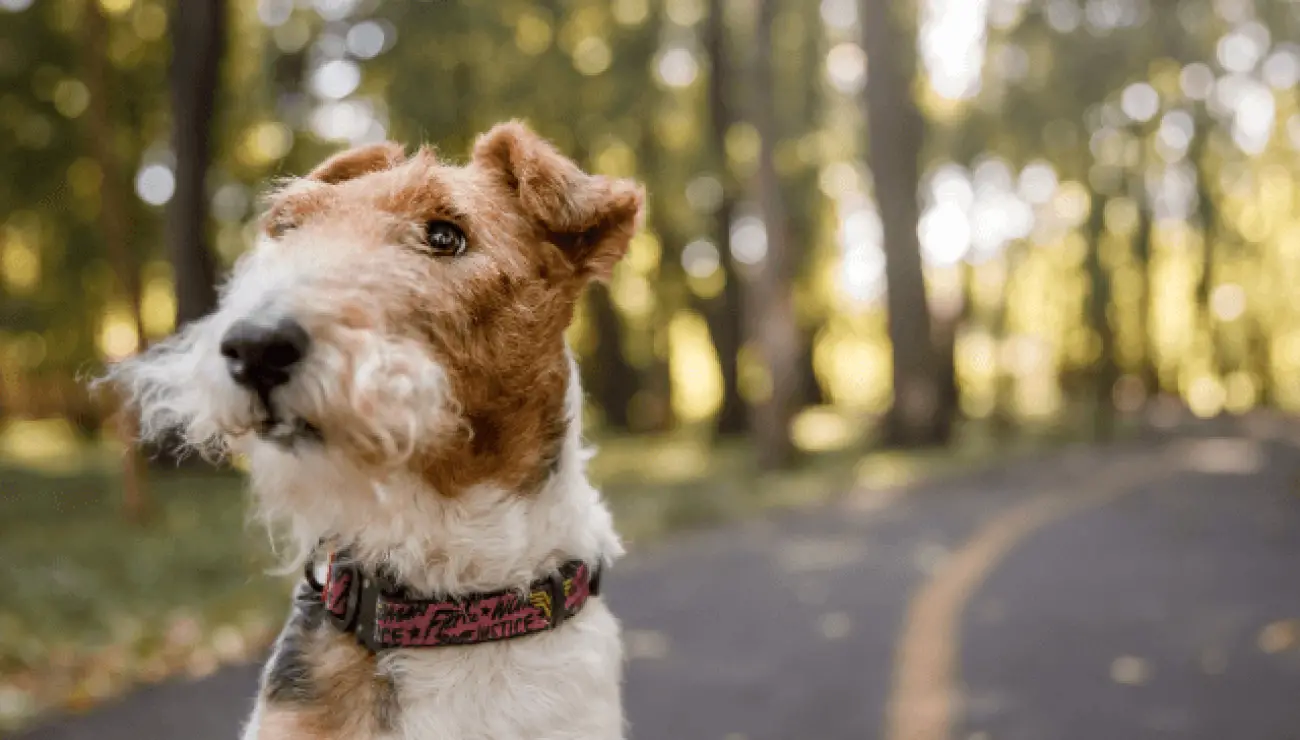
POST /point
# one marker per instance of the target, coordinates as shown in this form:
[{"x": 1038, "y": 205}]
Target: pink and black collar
[{"x": 384, "y": 616}]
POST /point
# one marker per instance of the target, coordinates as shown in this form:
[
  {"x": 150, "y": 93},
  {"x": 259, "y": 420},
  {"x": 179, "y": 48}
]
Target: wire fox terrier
[{"x": 390, "y": 357}]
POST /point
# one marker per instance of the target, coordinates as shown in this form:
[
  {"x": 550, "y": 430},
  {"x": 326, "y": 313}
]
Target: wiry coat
[{"x": 448, "y": 412}]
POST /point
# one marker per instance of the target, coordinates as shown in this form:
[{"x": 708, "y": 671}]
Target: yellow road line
[{"x": 925, "y": 698}]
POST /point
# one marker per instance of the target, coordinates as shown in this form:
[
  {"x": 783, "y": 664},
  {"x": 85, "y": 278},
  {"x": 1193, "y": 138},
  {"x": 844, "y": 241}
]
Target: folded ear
[
  {"x": 358, "y": 161},
  {"x": 589, "y": 217},
  {"x": 285, "y": 201}
]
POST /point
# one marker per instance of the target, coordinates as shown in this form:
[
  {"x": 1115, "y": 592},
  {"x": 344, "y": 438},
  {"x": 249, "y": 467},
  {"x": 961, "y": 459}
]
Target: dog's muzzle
[{"x": 261, "y": 355}]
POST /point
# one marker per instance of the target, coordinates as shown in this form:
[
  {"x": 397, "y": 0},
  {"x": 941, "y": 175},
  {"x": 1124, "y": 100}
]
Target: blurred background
[{"x": 885, "y": 240}]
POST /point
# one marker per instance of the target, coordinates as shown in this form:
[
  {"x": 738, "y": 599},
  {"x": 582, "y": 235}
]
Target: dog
[{"x": 389, "y": 357}]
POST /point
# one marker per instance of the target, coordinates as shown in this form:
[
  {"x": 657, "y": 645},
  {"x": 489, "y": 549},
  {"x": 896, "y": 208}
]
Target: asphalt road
[{"x": 1148, "y": 590}]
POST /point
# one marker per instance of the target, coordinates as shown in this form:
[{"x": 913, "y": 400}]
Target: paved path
[{"x": 1151, "y": 590}]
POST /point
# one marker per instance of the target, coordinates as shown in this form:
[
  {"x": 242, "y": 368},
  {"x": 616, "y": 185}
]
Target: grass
[
  {"x": 680, "y": 482},
  {"x": 94, "y": 604},
  {"x": 666, "y": 484}
]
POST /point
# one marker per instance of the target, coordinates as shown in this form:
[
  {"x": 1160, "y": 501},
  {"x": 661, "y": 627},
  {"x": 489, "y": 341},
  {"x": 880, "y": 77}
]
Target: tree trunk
[
  {"x": 770, "y": 306},
  {"x": 1104, "y": 370},
  {"x": 198, "y": 30},
  {"x": 1209, "y": 233},
  {"x": 949, "y": 401},
  {"x": 656, "y": 389},
  {"x": 114, "y": 225},
  {"x": 810, "y": 390},
  {"x": 724, "y": 313},
  {"x": 612, "y": 379},
  {"x": 1261, "y": 353},
  {"x": 1150, "y": 373},
  {"x": 801, "y": 189},
  {"x": 1004, "y": 418},
  {"x": 896, "y": 135}
]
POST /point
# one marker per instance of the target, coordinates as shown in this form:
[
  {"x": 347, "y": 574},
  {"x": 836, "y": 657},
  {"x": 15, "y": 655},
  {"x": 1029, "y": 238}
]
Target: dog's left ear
[
  {"x": 357, "y": 161},
  {"x": 591, "y": 218},
  {"x": 348, "y": 164}
]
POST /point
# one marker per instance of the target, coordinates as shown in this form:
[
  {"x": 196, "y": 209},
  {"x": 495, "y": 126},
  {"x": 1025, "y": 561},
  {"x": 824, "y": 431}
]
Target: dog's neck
[{"x": 481, "y": 539}]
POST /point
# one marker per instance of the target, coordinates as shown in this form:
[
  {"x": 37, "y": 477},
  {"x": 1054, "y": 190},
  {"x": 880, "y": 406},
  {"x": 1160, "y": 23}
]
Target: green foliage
[
  {"x": 1196, "y": 306},
  {"x": 95, "y": 604}
]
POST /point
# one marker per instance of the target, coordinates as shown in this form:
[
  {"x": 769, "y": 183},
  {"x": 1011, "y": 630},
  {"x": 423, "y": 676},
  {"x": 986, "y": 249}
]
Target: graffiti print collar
[{"x": 383, "y": 616}]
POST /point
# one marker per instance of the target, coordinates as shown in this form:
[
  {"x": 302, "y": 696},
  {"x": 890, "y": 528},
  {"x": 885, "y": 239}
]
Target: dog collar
[{"x": 383, "y": 616}]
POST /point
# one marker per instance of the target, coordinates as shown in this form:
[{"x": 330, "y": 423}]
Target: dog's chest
[{"x": 562, "y": 684}]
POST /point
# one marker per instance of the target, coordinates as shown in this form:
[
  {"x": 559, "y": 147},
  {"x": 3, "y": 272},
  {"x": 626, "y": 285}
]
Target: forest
[
  {"x": 872, "y": 224},
  {"x": 1017, "y": 209}
]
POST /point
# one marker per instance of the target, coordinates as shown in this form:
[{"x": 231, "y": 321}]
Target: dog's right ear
[
  {"x": 589, "y": 217},
  {"x": 358, "y": 161}
]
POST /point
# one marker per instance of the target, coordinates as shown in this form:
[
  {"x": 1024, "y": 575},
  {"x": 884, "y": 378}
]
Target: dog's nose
[{"x": 260, "y": 355}]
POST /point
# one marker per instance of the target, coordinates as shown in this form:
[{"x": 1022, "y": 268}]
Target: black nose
[{"x": 260, "y": 355}]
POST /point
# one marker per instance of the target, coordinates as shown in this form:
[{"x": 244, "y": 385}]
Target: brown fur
[
  {"x": 359, "y": 161},
  {"x": 538, "y": 230},
  {"x": 349, "y": 695},
  {"x": 591, "y": 218}
]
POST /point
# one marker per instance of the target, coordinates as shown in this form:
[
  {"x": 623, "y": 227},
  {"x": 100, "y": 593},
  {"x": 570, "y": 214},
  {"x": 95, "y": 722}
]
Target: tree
[
  {"x": 1208, "y": 216},
  {"x": 724, "y": 313},
  {"x": 114, "y": 216},
  {"x": 198, "y": 30},
  {"x": 1142, "y": 251},
  {"x": 770, "y": 307},
  {"x": 800, "y": 187},
  {"x": 612, "y": 379},
  {"x": 896, "y": 135},
  {"x": 1104, "y": 370}
]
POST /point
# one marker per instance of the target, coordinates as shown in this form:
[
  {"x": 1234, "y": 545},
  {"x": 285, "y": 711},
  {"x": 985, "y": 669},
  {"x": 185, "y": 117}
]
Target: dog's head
[{"x": 402, "y": 312}]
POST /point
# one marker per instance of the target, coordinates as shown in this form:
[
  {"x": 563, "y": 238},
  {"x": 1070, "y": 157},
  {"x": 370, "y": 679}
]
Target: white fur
[
  {"x": 560, "y": 685},
  {"x": 385, "y": 385},
  {"x": 481, "y": 540}
]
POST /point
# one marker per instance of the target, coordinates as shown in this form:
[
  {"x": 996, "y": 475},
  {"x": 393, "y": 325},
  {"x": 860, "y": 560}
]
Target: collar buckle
[
  {"x": 555, "y": 585},
  {"x": 342, "y": 592}
]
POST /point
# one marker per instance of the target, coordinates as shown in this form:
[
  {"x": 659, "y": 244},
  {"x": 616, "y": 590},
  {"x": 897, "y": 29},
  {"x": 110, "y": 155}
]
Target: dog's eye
[{"x": 444, "y": 238}]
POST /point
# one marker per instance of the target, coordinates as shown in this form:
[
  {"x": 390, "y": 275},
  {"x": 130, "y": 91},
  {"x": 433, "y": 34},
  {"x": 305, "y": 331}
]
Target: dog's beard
[
  {"x": 279, "y": 427},
  {"x": 376, "y": 395},
  {"x": 381, "y": 399},
  {"x": 180, "y": 395},
  {"x": 378, "y": 398}
]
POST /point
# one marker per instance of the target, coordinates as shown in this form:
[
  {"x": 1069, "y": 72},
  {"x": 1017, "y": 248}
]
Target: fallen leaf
[
  {"x": 1214, "y": 661},
  {"x": 835, "y": 625},
  {"x": 1130, "y": 670},
  {"x": 1279, "y": 636},
  {"x": 647, "y": 644}
]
